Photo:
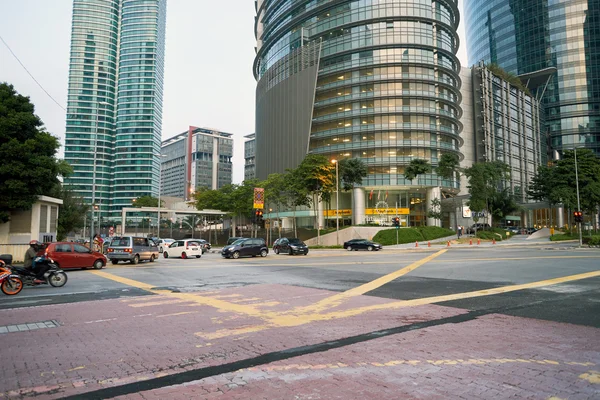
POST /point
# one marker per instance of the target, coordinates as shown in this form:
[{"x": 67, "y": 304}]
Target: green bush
[
  {"x": 435, "y": 232},
  {"x": 489, "y": 235},
  {"x": 410, "y": 235},
  {"x": 592, "y": 240},
  {"x": 564, "y": 236},
  {"x": 503, "y": 233}
]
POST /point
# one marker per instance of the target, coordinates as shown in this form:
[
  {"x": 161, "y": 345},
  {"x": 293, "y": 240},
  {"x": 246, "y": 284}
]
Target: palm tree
[{"x": 416, "y": 167}]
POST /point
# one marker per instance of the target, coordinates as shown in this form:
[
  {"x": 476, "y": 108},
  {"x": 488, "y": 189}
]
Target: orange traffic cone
[
  {"x": 493, "y": 241},
  {"x": 470, "y": 242},
  {"x": 448, "y": 243},
  {"x": 478, "y": 242},
  {"x": 428, "y": 244},
  {"x": 416, "y": 244}
]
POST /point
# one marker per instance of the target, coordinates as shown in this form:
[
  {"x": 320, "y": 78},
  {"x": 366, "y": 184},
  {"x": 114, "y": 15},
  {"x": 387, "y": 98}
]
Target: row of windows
[
  {"x": 409, "y": 121},
  {"x": 391, "y": 88},
  {"x": 408, "y": 104}
]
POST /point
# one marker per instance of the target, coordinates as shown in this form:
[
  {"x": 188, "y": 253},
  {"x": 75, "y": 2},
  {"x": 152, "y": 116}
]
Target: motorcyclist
[{"x": 30, "y": 255}]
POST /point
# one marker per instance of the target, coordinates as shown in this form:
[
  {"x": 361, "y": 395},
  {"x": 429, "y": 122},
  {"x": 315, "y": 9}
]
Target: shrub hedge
[
  {"x": 564, "y": 236},
  {"x": 409, "y": 235}
]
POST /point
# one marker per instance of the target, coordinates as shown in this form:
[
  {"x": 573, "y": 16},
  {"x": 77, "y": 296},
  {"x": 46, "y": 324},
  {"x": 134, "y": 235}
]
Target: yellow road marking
[
  {"x": 591, "y": 376},
  {"x": 367, "y": 287},
  {"x": 174, "y": 314}
]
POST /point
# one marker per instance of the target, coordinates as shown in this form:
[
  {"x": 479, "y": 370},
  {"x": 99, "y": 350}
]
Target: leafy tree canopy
[
  {"x": 485, "y": 180},
  {"x": 448, "y": 166},
  {"x": 30, "y": 167},
  {"x": 146, "y": 201},
  {"x": 351, "y": 172},
  {"x": 417, "y": 166}
]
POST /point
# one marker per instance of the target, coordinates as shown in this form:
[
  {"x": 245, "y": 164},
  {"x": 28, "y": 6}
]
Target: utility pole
[{"x": 578, "y": 203}]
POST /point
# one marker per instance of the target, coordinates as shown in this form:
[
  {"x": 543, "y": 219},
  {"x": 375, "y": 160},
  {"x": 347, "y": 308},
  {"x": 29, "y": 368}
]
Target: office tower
[
  {"x": 250, "y": 156},
  {"x": 198, "y": 158},
  {"x": 114, "y": 115},
  {"x": 368, "y": 79},
  {"x": 540, "y": 39}
]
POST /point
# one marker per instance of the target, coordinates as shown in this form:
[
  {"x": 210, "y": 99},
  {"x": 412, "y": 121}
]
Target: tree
[
  {"x": 146, "y": 201},
  {"x": 485, "y": 179},
  {"x": 276, "y": 195},
  {"x": 72, "y": 211},
  {"x": 30, "y": 167},
  {"x": 352, "y": 171},
  {"x": 416, "y": 167},
  {"x": 448, "y": 167},
  {"x": 317, "y": 174}
]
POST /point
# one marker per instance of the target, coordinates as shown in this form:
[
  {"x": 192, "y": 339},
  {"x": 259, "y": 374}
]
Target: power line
[{"x": 32, "y": 77}]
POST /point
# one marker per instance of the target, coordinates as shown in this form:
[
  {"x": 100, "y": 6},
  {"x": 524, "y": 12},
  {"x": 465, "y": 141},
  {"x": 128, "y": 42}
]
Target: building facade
[
  {"x": 250, "y": 156},
  {"x": 114, "y": 110},
  {"x": 194, "y": 159},
  {"x": 376, "y": 80},
  {"x": 524, "y": 36}
]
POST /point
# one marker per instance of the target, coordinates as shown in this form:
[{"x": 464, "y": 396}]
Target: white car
[
  {"x": 183, "y": 248},
  {"x": 163, "y": 244}
]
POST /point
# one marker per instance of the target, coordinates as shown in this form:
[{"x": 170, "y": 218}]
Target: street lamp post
[
  {"x": 92, "y": 230},
  {"x": 337, "y": 203},
  {"x": 159, "y": 190},
  {"x": 578, "y": 203}
]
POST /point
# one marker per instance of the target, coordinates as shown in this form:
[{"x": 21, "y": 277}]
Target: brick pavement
[{"x": 111, "y": 343}]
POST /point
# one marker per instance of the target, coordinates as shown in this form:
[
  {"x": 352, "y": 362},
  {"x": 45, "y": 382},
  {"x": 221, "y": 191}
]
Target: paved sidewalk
[{"x": 271, "y": 342}]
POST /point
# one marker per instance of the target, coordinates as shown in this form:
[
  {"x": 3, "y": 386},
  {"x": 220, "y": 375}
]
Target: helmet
[{"x": 35, "y": 243}]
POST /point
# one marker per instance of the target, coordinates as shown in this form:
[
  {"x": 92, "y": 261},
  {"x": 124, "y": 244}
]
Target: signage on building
[
  {"x": 259, "y": 198},
  {"x": 387, "y": 211},
  {"x": 467, "y": 213}
]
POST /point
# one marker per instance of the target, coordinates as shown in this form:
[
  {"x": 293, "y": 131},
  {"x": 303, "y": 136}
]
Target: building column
[
  {"x": 433, "y": 193},
  {"x": 321, "y": 214},
  {"x": 560, "y": 217},
  {"x": 358, "y": 206}
]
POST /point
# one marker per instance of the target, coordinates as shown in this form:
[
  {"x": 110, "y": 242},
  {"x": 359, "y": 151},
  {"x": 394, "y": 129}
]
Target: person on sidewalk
[{"x": 460, "y": 231}]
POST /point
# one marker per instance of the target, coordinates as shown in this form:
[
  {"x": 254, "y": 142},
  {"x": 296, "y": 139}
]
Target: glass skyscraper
[
  {"x": 376, "y": 80},
  {"x": 114, "y": 114},
  {"x": 524, "y": 36}
]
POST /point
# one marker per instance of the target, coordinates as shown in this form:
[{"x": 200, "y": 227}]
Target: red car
[{"x": 73, "y": 255}]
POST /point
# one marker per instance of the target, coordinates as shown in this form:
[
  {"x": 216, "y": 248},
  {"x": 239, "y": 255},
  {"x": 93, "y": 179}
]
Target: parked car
[
  {"x": 233, "y": 239},
  {"x": 362, "y": 244},
  {"x": 246, "y": 248},
  {"x": 133, "y": 249},
  {"x": 184, "y": 248},
  {"x": 163, "y": 243},
  {"x": 290, "y": 246},
  {"x": 73, "y": 255},
  {"x": 479, "y": 227}
]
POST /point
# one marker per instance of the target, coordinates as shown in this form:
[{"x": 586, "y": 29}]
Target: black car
[
  {"x": 290, "y": 246},
  {"x": 478, "y": 227},
  {"x": 361, "y": 244},
  {"x": 233, "y": 239},
  {"x": 246, "y": 248}
]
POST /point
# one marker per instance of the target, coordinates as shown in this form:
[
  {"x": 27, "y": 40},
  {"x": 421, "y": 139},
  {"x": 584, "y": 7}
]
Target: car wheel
[
  {"x": 306, "y": 253},
  {"x": 183, "y": 255},
  {"x": 114, "y": 262},
  {"x": 291, "y": 253},
  {"x": 152, "y": 258},
  {"x": 136, "y": 259},
  {"x": 98, "y": 264},
  {"x": 236, "y": 254},
  {"x": 370, "y": 248},
  {"x": 263, "y": 253},
  {"x": 197, "y": 256},
  {"x": 349, "y": 248},
  {"x": 165, "y": 254},
  {"x": 276, "y": 251}
]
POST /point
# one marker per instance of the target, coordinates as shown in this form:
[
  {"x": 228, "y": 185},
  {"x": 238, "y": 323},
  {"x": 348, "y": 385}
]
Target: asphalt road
[
  {"x": 464, "y": 322},
  {"x": 455, "y": 271}
]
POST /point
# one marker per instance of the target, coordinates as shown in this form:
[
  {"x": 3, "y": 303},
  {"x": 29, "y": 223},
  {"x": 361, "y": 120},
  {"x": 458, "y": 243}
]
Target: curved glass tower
[
  {"x": 524, "y": 36},
  {"x": 371, "y": 79}
]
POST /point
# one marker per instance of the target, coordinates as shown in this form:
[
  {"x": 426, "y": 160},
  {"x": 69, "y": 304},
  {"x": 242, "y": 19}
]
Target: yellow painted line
[
  {"x": 175, "y": 314},
  {"x": 458, "y": 296},
  {"x": 591, "y": 377},
  {"x": 370, "y": 286}
]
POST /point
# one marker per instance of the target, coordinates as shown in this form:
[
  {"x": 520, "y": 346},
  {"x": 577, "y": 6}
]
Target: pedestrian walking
[{"x": 460, "y": 231}]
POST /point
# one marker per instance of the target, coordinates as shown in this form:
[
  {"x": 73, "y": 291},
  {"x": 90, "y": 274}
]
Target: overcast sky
[{"x": 208, "y": 65}]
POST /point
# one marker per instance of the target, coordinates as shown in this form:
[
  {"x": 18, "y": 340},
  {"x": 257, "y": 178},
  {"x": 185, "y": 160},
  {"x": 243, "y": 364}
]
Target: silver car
[{"x": 132, "y": 248}]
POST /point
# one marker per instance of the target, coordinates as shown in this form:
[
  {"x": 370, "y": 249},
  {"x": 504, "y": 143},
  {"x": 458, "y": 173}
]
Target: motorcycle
[
  {"x": 55, "y": 276},
  {"x": 10, "y": 283}
]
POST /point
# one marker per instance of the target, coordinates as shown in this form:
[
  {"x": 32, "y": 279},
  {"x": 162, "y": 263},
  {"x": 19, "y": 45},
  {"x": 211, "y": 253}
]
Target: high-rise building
[
  {"x": 250, "y": 156},
  {"x": 369, "y": 79},
  {"x": 194, "y": 159},
  {"x": 114, "y": 111},
  {"x": 561, "y": 37}
]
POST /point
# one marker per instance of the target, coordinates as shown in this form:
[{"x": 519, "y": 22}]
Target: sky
[{"x": 208, "y": 64}]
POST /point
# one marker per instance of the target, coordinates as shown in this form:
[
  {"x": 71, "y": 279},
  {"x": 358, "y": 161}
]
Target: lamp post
[
  {"x": 92, "y": 230},
  {"x": 578, "y": 204},
  {"x": 159, "y": 190},
  {"x": 337, "y": 203}
]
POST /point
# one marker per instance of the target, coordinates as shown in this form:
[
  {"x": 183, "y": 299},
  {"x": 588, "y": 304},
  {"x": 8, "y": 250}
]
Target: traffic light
[
  {"x": 578, "y": 216},
  {"x": 258, "y": 217},
  {"x": 396, "y": 221}
]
